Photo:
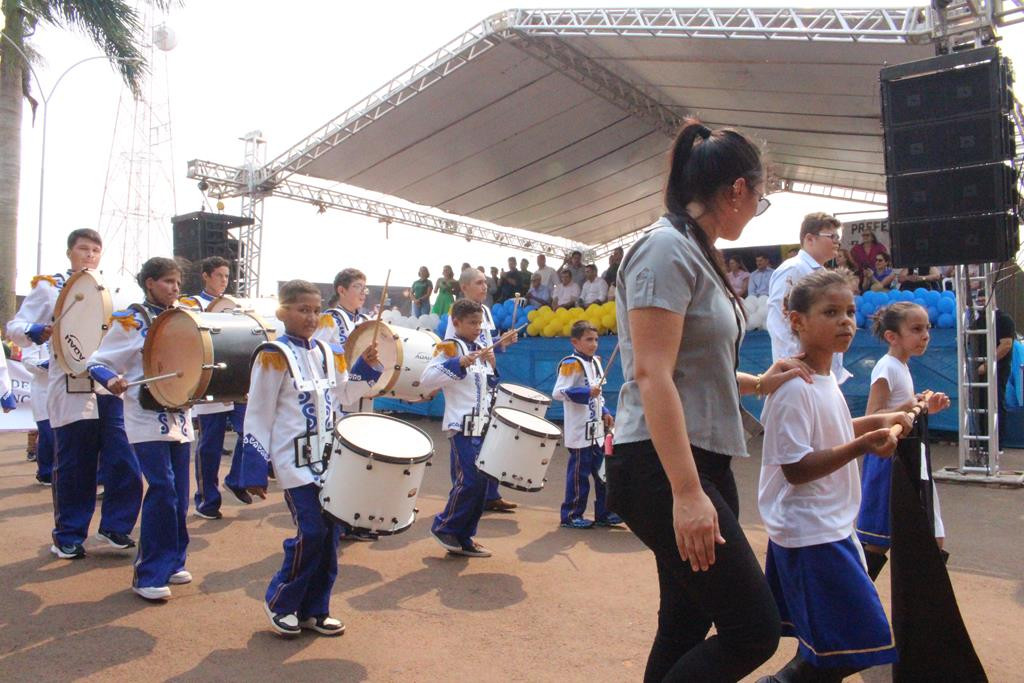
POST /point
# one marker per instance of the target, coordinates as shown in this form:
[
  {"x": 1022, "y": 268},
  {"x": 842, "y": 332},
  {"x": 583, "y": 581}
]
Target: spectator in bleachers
[
  {"x": 594, "y": 289},
  {"x": 510, "y": 285},
  {"x": 513, "y": 269},
  {"x": 613, "y": 266},
  {"x": 525, "y": 276},
  {"x": 421, "y": 291},
  {"x": 761, "y": 277},
  {"x": 922, "y": 276},
  {"x": 493, "y": 282},
  {"x": 566, "y": 292},
  {"x": 446, "y": 287},
  {"x": 738, "y": 276},
  {"x": 548, "y": 275},
  {"x": 576, "y": 268},
  {"x": 539, "y": 294},
  {"x": 845, "y": 261},
  {"x": 865, "y": 253},
  {"x": 882, "y": 276}
]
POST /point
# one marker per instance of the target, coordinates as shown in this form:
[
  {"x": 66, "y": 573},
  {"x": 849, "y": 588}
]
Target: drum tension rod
[{"x": 216, "y": 366}]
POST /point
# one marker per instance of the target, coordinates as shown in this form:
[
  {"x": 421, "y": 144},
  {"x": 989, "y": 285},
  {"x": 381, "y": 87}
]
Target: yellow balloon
[
  {"x": 593, "y": 308},
  {"x": 566, "y": 329},
  {"x": 545, "y": 310},
  {"x": 531, "y": 316},
  {"x": 533, "y": 329},
  {"x": 608, "y": 321},
  {"x": 576, "y": 310}
]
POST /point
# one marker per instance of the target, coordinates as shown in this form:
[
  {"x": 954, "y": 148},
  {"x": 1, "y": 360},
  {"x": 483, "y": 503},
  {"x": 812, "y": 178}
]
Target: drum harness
[
  {"x": 474, "y": 424},
  {"x": 312, "y": 449}
]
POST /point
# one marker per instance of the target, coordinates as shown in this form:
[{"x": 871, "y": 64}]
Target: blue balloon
[
  {"x": 857, "y": 299},
  {"x": 880, "y": 299},
  {"x": 906, "y": 295},
  {"x": 946, "y": 294},
  {"x": 861, "y": 320},
  {"x": 893, "y": 295},
  {"x": 868, "y": 309},
  {"x": 933, "y": 314},
  {"x": 946, "y": 321},
  {"x": 933, "y": 297},
  {"x": 946, "y": 305},
  {"x": 921, "y": 292}
]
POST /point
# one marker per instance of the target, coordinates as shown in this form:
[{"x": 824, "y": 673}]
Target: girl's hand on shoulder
[{"x": 784, "y": 370}]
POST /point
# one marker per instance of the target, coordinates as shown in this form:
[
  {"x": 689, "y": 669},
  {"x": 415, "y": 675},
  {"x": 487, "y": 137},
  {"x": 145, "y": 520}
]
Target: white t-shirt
[
  {"x": 566, "y": 295},
  {"x": 800, "y": 418},
  {"x": 594, "y": 291}
]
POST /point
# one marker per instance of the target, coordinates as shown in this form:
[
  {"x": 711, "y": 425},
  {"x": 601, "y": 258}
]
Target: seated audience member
[
  {"x": 594, "y": 289},
  {"x": 761, "y": 277},
  {"x": 738, "y": 276},
  {"x": 923, "y": 276},
  {"x": 567, "y": 292},
  {"x": 539, "y": 294},
  {"x": 866, "y": 253},
  {"x": 882, "y": 276}
]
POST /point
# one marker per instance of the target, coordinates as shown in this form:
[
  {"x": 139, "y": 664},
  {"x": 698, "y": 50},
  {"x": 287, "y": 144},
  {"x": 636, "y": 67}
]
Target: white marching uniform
[
  {"x": 460, "y": 398},
  {"x": 336, "y": 324},
  {"x": 36, "y": 359},
  {"x": 6, "y": 395},
  {"x": 120, "y": 353},
  {"x": 579, "y": 372},
  {"x": 200, "y": 302},
  {"x": 62, "y": 406},
  {"x": 282, "y": 409},
  {"x": 486, "y": 329}
]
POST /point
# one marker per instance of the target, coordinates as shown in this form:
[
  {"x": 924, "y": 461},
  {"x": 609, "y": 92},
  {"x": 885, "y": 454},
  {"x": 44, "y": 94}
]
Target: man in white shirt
[
  {"x": 594, "y": 290},
  {"x": 567, "y": 292},
  {"x": 548, "y": 275},
  {"x": 819, "y": 238},
  {"x": 760, "y": 279}
]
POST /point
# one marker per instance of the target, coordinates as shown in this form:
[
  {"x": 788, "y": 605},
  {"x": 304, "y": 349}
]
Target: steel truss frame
[{"x": 229, "y": 181}]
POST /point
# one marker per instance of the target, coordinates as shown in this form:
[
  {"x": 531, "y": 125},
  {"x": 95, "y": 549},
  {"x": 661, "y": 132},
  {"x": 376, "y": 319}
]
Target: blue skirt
[
  {"x": 829, "y": 604},
  {"x": 873, "y": 518}
]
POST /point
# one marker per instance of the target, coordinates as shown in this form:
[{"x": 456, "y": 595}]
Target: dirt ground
[{"x": 552, "y": 604}]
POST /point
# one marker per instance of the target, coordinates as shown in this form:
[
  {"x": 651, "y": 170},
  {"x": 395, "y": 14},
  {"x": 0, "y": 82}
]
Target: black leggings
[{"x": 733, "y": 594}]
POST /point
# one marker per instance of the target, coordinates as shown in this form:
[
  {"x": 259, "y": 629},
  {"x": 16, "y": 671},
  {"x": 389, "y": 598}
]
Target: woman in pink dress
[{"x": 864, "y": 254}]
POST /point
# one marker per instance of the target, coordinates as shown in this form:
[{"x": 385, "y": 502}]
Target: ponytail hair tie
[{"x": 703, "y": 131}]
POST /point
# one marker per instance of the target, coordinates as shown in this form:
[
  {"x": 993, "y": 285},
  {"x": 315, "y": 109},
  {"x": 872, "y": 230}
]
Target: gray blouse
[{"x": 666, "y": 269}]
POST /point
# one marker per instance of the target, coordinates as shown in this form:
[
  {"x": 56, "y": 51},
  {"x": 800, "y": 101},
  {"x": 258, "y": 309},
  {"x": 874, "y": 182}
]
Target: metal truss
[
  {"x": 1008, "y": 12},
  {"x": 834, "y": 192},
  {"x": 600, "y": 80},
  {"x": 962, "y": 24},
  {"x": 854, "y": 25},
  {"x": 250, "y": 238},
  {"x": 228, "y": 181}
]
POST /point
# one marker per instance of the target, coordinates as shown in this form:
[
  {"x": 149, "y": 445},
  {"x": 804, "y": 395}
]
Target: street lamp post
[{"x": 46, "y": 101}]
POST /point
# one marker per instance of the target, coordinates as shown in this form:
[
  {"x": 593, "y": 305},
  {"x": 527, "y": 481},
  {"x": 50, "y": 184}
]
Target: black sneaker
[
  {"x": 240, "y": 494},
  {"x": 270, "y": 471},
  {"x": 73, "y": 551},
  {"x": 216, "y": 514},
  {"x": 115, "y": 539},
  {"x": 471, "y": 549},
  {"x": 324, "y": 625},
  {"x": 44, "y": 481},
  {"x": 31, "y": 456},
  {"x": 448, "y": 541}
]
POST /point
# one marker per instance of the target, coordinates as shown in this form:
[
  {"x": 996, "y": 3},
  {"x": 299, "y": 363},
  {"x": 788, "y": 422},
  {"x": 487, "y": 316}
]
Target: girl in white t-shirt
[
  {"x": 809, "y": 495},
  {"x": 904, "y": 327}
]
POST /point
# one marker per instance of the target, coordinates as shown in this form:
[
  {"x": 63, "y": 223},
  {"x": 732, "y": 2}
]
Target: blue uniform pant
[
  {"x": 468, "y": 495},
  {"x": 492, "y": 483},
  {"x": 45, "y": 448},
  {"x": 303, "y": 584},
  {"x": 208, "y": 453},
  {"x": 583, "y": 464},
  {"x": 78, "y": 449},
  {"x": 163, "y": 538}
]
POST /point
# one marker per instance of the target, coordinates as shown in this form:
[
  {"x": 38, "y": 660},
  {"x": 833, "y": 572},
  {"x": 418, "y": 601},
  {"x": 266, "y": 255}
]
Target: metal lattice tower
[
  {"x": 139, "y": 194},
  {"x": 250, "y": 237}
]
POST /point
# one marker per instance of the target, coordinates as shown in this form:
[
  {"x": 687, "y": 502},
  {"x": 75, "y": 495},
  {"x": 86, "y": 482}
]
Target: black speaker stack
[
  {"x": 201, "y": 234},
  {"x": 949, "y": 148}
]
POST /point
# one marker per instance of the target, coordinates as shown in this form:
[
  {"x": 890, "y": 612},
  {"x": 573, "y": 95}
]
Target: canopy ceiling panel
[{"x": 558, "y": 121}]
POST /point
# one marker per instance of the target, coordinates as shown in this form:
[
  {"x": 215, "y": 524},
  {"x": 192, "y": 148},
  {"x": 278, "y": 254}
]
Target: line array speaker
[{"x": 202, "y": 234}]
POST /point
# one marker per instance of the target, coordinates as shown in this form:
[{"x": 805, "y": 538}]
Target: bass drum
[
  {"x": 210, "y": 350},
  {"x": 265, "y": 308},
  {"x": 404, "y": 353},
  {"x": 518, "y": 448},
  {"x": 508, "y": 395},
  {"x": 82, "y": 315},
  {"x": 374, "y": 475}
]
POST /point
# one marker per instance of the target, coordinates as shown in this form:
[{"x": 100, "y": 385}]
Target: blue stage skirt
[
  {"x": 828, "y": 603},
  {"x": 873, "y": 518}
]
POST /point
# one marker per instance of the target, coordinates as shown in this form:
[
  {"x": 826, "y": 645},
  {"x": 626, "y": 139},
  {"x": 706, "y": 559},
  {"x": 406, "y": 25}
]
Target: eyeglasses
[
  {"x": 836, "y": 237},
  {"x": 358, "y": 287},
  {"x": 762, "y": 205}
]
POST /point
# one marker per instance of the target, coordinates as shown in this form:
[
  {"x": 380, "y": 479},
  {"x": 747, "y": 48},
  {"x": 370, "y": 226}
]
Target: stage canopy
[{"x": 557, "y": 121}]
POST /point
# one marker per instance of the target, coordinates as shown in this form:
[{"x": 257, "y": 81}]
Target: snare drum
[
  {"x": 518, "y": 448},
  {"x": 521, "y": 398},
  {"x": 265, "y": 308},
  {"x": 82, "y": 323},
  {"x": 375, "y": 472},
  {"x": 404, "y": 353},
  {"x": 211, "y": 350}
]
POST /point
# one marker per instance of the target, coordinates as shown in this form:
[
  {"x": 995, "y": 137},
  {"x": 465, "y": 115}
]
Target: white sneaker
[
  {"x": 285, "y": 624},
  {"x": 178, "y": 578},
  {"x": 152, "y": 592}
]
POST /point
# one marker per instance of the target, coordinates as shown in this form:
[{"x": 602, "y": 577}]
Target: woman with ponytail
[{"x": 679, "y": 417}]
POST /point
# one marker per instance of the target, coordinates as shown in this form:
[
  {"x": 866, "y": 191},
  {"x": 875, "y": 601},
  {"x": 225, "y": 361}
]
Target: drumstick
[
  {"x": 515, "y": 308},
  {"x": 169, "y": 375},
  {"x": 78, "y": 297},
  {"x": 611, "y": 361},
  {"x": 380, "y": 308},
  {"x": 501, "y": 339},
  {"x": 897, "y": 430}
]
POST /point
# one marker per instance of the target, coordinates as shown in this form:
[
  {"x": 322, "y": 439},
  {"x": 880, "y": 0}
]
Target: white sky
[{"x": 249, "y": 64}]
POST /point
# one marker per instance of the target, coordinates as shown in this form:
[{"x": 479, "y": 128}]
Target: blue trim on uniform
[
  {"x": 35, "y": 331},
  {"x": 163, "y": 537},
  {"x": 579, "y": 395},
  {"x": 584, "y": 463},
  {"x": 212, "y": 428},
  {"x": 299, "y": 341},
  {"x": 8, "y": 401},
  {"x": 873, "y": 521},
  {"x": 101, "y": 374},
  {"x": 467, "y": 497},
  {"x": 363, "y": 371},
  {"x": 829, "y": 604},
  {"x": 453, "y": 368},
  {"x": 303, "y": 584},
  {"x": 248, "y": 467}
]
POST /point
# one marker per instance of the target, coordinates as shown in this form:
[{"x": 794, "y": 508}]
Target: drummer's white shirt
[
  {"x": 485, "y": 339},
  {"x": 62, "y": 408},
  {"x": 120, "y": 352},
  {"x": 578, "y": 371},
  {"x": 278, "y": 412},
  {"x": 36, "y": 360},
  {"x": 200, "y": 302},
  {"x": 465, "y": 389},
  {"x": 336, "y": 324}
]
